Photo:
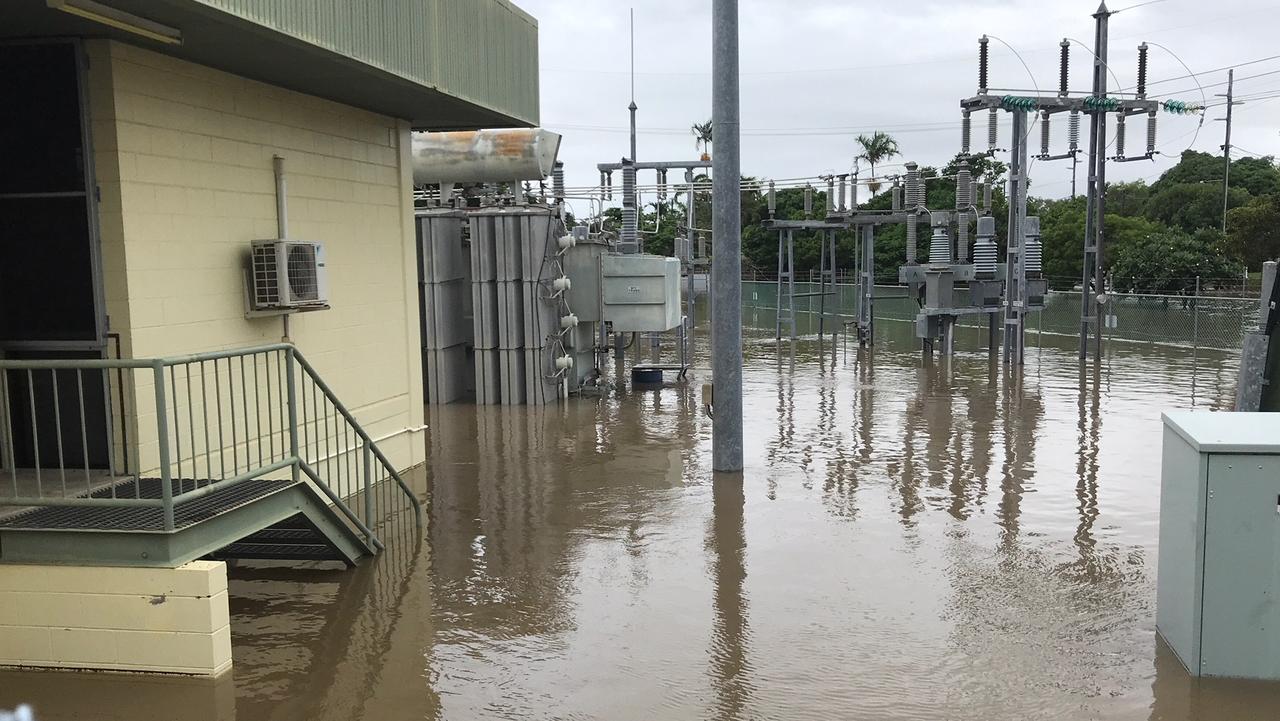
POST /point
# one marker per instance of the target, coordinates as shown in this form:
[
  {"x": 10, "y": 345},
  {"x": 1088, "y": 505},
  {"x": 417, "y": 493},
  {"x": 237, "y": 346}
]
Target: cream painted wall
[{"x": 183, "y": 157}]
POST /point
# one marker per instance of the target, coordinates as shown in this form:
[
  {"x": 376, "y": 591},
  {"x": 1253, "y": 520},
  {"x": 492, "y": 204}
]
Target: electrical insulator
[
  {"x": 982, "y": 65},
  {"x": 1151, "y": 133},
  {"x": 568, "y": 321},
  {"x": 964, "y": 195},
  {"x": 566, "y": 242},
  {"x": 913, "y": 186},
  {"x": 808, "y": 200},
  {"x": 557, "y": 181},
  {"x": 1065, "y": 66},
  {"x": 966, "y": 131},
  {"x": 986, "y": 198},
  {"x": 564, "y": 362},
  {"x": 773, "y": 199},
  {"x": 831, "y": 194},
  {"x": 1142, "y": 70},
  {"x": 1044, "y": 133},
  {"x": 1120, "y": 135},
  {"x": 1032, "y": 248},
  {"x": 1073, "y": 130},
  {"x": 662, "y": 185},
  {"x": 911, "y": 239},
  {"x": 940, "y": 243},
  {"x": 984, "y": 248},
  {"x": 993, "y": 117},
  {"x": 843, "y": 179},
  {"x": 608, "y": 185},
  {"x": 562, "y": 283},
  {"x": 895, "y": 197},
  {"x": 963, "y": 178}
]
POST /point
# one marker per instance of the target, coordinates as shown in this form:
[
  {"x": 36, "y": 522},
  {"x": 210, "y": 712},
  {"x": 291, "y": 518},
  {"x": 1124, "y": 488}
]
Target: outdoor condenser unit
[{"x": 288, "y": 275}]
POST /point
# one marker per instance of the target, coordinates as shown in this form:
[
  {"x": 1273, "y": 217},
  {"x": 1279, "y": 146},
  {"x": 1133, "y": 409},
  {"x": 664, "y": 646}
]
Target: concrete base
[{"x": 149, "y": 620}]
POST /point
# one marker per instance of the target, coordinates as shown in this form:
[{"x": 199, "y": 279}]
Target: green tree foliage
[
  {"x": 701, "y": 136},
  {"x": 1253, "y": 231},
  {"x": 1169, "y": 262},
  {"x": 1191, "y": 206},
  {"x": 876, "y": 148}
]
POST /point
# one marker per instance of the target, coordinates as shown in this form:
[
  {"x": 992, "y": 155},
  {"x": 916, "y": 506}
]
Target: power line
[
  {"x": 1224, "y": 82},
  {"x": 1207, "y": 72}
]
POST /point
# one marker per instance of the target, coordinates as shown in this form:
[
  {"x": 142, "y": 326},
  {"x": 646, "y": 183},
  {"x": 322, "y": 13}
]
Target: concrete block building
[{"x": 144, "y": 398}]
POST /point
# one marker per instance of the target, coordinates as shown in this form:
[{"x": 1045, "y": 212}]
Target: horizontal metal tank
[{"x": 484, "y": 156}]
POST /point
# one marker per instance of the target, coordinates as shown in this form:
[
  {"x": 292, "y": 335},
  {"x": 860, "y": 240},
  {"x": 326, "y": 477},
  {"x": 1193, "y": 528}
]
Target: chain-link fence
[{"x": 1182, "y": 320}]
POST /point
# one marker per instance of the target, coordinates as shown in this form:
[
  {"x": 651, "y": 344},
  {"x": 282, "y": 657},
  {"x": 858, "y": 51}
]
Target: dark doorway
[{"x": 50, "y": 297}]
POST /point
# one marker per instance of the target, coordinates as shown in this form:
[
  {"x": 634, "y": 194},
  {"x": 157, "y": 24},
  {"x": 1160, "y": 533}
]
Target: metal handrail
[
  {"x": 281, "y": 418},
  {"x": 360, "y": 431}
]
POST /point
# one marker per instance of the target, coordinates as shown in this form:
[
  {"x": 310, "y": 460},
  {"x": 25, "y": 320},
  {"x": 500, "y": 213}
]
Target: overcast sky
[{"x": 816, "y": 73}]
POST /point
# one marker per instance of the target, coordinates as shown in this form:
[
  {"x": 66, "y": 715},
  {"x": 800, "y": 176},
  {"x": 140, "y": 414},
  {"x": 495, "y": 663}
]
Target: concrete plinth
[{"x": 149, "y": 620}]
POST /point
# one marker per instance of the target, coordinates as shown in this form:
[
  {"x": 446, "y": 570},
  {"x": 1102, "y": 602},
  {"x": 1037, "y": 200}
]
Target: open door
[{"x": 50, "y": 279}]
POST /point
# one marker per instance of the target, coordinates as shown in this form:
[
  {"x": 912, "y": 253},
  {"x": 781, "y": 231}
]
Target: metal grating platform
[{"x": 145, "y": 518}]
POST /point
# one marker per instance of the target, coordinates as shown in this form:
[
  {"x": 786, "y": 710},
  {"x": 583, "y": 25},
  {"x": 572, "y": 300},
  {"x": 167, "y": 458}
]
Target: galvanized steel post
[{"x": 726, "y": 249}]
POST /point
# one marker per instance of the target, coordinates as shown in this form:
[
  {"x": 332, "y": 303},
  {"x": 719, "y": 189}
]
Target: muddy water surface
[{"x": 909, "y": 541}]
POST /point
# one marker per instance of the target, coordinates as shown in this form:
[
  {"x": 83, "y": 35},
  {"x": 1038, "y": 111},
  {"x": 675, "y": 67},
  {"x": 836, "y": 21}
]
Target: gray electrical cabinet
[
  {"x": 1218, "y": 588},
  {"x": 640, "y": 293}
]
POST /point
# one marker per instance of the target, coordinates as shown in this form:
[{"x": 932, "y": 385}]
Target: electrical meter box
[
  {"x": 1218, "y": 587},
  {"x": 640, "y": 293}
]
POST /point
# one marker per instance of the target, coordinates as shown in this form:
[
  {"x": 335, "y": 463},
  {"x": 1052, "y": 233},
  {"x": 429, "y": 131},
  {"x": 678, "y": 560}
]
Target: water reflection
[
  {"x": 730, "y": 665},
  {"x": 955, "y": 539}
]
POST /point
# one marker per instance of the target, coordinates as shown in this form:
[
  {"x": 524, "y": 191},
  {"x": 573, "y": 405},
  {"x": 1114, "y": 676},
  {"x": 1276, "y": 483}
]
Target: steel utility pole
[
  {"x": 1091, "y": 282},
  {"x": 726, "y": 248},
  {"x": 1226, "y": 148}
]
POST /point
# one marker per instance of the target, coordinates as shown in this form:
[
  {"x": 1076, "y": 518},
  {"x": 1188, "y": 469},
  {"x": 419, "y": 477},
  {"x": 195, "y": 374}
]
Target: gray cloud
[{"x": 816, "y": 73}]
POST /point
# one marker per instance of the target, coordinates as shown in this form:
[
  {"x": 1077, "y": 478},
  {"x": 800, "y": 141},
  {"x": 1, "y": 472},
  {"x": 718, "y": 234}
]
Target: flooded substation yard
[{"x": 909, "y": 541}]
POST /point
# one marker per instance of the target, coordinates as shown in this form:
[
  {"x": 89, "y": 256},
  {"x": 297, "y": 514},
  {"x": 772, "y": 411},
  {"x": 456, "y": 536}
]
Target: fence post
[
  {"x": 292, "y": 385},
  {"x": 1196, "y": 318},
  {"x": 162, "y": 430}
]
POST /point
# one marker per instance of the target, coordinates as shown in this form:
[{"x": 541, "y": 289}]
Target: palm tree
[
  {"x": 702, "y": 137},
  {"x": 877, "y": 148}
]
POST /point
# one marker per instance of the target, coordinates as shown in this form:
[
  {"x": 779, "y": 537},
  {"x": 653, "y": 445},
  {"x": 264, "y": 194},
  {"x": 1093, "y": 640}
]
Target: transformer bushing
[
  {"x": 966, "y": 131},
  {"x": 985, "y": 251},
  {"x": 940, "y": 243},
  {"x": 557, "y": 181},
  {"x": 1033, "y": 248}
]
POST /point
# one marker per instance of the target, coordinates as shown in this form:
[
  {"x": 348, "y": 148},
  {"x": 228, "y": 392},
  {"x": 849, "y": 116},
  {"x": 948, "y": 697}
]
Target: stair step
[
  {"x": 279, "y": 551},
  {"x": 275, "y": 534}
]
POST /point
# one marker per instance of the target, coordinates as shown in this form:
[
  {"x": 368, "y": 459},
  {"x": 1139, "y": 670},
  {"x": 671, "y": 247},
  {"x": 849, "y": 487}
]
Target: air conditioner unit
[{"x": 288, "y": 274}]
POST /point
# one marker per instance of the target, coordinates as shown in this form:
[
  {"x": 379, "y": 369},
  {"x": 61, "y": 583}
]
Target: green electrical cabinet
[{"x": 1218, "y": 587}]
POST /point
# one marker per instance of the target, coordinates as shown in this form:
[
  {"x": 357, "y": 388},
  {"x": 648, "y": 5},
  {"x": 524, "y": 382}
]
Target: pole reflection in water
[{"x": 727, "y": 548}]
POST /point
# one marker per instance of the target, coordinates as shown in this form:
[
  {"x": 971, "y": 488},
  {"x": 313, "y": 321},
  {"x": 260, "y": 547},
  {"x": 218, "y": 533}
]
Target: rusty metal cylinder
[{"x": 483, "y": 156}]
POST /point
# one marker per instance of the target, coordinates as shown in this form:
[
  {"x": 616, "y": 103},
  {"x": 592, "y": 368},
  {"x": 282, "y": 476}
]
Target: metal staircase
[{"x": 240, "y": 454}]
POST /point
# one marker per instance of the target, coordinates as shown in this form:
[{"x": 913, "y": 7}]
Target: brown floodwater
[{"x": 909, "y": 541}]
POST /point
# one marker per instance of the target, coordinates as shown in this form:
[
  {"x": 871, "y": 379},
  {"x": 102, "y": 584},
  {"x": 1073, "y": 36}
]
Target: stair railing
[{"x": 206, "y": 421}]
